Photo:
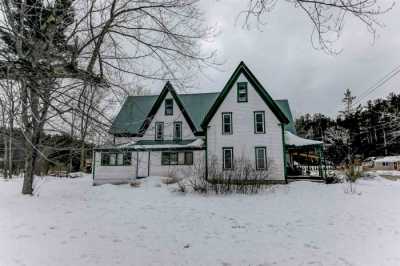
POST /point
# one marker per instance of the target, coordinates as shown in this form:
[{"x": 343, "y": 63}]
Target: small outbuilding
[{"x": 387, "y": 163}]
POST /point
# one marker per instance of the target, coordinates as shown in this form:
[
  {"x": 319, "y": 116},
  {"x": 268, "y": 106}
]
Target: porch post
[{"x": 321, "y": 174}]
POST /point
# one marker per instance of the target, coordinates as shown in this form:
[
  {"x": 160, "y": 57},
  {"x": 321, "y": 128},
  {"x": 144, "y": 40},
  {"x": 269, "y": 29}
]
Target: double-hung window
[
  {"x": 259, "y": 122},
  {"x": 177, "y": 158},
  {"x": 169, "y": 107},
  {"x": 227, "y": 158},
  {"x": 177, "y": 130},
  {"x": 227, "y": 123},
  {"x": 159, "y": 134},
  {"x": 242, "y": 92},
  {"x": 116, "y": 159},
  {"x": 261, "y": 158}
]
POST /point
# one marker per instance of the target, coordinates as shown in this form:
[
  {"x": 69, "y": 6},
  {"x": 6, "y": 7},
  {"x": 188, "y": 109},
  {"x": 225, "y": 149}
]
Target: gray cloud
[{"x": 283, "y": 59}]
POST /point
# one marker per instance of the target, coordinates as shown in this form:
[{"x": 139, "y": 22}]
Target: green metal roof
[
  {"x": 136, "y": 108},
  {"x": 198, "y": 105},
  {"x": 284, "y": 106},
  {"x": 132, "y": 114}
]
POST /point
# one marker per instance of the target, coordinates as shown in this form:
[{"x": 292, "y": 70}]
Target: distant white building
[{"x": 386, "y": 163}]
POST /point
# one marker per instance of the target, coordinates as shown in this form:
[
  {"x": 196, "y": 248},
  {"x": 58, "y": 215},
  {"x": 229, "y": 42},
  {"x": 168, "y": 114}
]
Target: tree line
[
  {"x": 61, "y": 152},
  {"x": 368, "y": 130}
]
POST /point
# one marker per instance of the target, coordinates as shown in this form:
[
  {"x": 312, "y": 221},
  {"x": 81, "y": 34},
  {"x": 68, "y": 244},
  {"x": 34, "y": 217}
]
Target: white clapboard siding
[
  {"x": 244, "y": 140},
  {"x": 156, "y": 169},
  {"x": 112, "y": 174},
  {"x": 139, "y": 167},
  {"x": 168, "y": 123}
]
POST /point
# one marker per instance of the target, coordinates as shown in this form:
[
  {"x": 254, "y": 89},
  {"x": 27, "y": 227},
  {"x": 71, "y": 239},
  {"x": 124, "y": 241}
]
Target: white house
[
  {"x": 386, "y": 163},
  {"x": 177, "y": 134}
]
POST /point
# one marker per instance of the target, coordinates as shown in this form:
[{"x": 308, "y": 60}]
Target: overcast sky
[{"x": 283, "y": 59}]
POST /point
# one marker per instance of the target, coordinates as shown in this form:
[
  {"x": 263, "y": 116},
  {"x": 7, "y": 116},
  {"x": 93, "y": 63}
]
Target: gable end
[
  {"x": 243, "y": 69},
  {"x": 167, "y": 88}
]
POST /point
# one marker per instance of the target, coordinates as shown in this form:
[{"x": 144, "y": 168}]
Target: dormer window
[
  {"x": 242, "y": 92},
  {"x": 169, "y": 107}
]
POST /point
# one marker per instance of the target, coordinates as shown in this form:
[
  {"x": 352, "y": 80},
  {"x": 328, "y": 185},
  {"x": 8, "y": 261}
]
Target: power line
[{"x": 378, "y": 84}]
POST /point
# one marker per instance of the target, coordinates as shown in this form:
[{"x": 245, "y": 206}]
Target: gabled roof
[
  {"x": 136, "y": 110},
  {"x": 284, "y": 105},
  {"x": 133, "y": 113},
  {"x": 167, "y": 89},
  {"x": 243, "y": 69}
]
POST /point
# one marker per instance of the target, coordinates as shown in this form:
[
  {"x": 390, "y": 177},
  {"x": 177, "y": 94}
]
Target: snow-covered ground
[{"x": 71, "y": 222}]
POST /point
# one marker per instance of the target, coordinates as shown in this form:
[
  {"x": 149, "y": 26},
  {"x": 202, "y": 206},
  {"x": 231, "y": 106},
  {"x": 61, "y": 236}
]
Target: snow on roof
[
  {"x": 293, "y": 140},
  {"x": 198, "y": 143},
  {"x": 388, "y": 159}
]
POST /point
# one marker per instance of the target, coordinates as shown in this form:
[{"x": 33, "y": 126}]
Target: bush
[
  {"x": 242, "y": 179},
  {"x": 135, "y": 183},
  {"x": 170, "y": 180},
  {"x": 181, "y": 187},
  {"x": 352, "y": 174},
  {"x": 332, "y": 179}
]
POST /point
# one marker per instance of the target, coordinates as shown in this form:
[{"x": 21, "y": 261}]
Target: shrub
[
  {"x": 242, "y": 179},
  {"x": 332, "y": 179},
  {"x": 352, "y": 173},
  {"x": 181, "y": 187},
  {"x": 135, "y": 183},
  {"x": 170, "y": 180}
]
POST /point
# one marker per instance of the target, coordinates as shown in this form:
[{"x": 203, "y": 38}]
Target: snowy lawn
[{"x": 74, "y": 223}]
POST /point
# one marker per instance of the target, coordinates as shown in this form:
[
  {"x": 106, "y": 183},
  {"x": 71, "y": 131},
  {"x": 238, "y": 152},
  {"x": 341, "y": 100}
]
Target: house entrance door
[
  {"x": 142, "y": 161},
  {"x": 395, "y": 166}
]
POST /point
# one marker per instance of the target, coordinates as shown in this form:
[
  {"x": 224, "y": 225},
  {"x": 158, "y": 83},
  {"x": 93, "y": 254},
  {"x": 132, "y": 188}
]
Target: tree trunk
[
  {"x": 83, "y": 157},
  {"x": 5, "y": 172},
  {"x": 27, "y": 187},
  {"x": 10, "y": 142}
]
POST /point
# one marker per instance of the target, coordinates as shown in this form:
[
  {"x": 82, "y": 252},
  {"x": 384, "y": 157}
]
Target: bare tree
[
  {"x": 55, "y": 48},
  {"x": 326, "y": 16},
  {"x": 9, "y": 110}
]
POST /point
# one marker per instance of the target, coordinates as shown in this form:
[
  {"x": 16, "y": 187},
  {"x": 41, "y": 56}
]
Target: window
[
  {"x": 113, "y": 157},
  {"x": 177, "y": 158},
  {"x": 159, "y": 135},
  {"x": 261, "y": 158},
  {"x": 120, "y": 159},
  {"x": 226, "y": 123},
  {"x": 259, "y": 122},
  {"x": 116, "y": 159},
  {"x": 169, "y": 158},
  {"x": 165, "y": 158},
  {"x": 242, "y": 92},
  {"x": 173, "y": 158},
  {"x": 188, "y": 158},
  {"x": 169, "y": 107},
  {"x": 227, "y": 154},
  {"x": 177, "y": 130},
  {"x": 105, "y": 159}
]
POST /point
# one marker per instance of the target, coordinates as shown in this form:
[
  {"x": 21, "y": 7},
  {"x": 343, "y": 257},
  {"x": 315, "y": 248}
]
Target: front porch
[{"x": 304, "y": 159}]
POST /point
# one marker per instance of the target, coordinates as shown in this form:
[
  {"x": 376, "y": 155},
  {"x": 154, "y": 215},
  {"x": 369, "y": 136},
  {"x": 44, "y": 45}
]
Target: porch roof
[
  {"x": 292, "y": 140},
  {"x": 156, "y": 145}
]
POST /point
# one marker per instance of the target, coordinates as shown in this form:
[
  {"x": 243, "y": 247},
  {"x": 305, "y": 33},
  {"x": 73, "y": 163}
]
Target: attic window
[
  {"x": 242, "y": 92},
  {"x": 169, "y": 107}
]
